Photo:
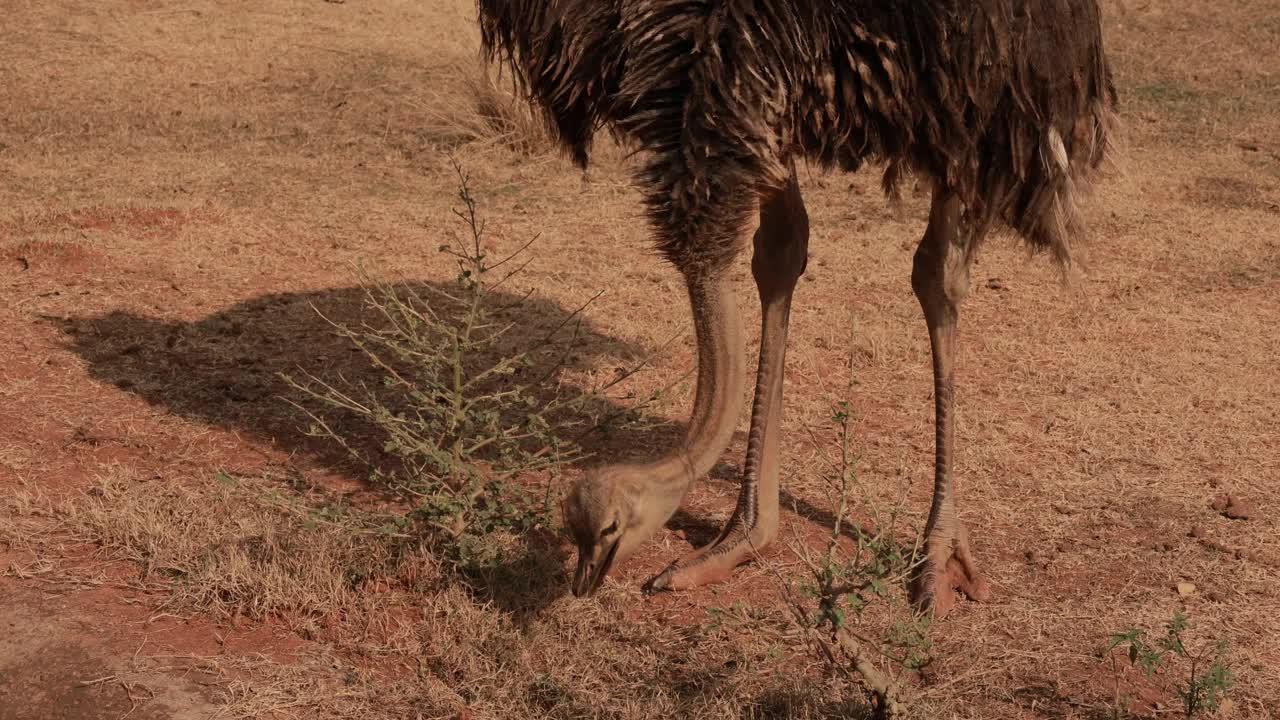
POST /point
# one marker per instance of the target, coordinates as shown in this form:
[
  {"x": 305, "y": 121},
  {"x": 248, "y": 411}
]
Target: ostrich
[{"x": 1003, "y": 106}]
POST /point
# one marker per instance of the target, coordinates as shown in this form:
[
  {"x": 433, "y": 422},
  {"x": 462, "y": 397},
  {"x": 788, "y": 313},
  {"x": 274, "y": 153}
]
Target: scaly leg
[
  {"x": 940, "y": 279},
  {"x": 781, "y": 250}
]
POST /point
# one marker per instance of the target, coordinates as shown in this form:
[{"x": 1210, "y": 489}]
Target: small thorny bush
[{"x": 466, "y": 407}]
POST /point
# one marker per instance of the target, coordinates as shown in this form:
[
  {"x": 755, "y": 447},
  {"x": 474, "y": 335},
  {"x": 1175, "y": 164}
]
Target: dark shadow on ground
[
  {"x": 826, "y": 518},
  {"x": 225, "y": 370},
  {"x": 797, "y": 702},
  {"x": 697, "y": 529},
  {"x": 700, "y": 530},
  {"x": 528, "y": 579}
]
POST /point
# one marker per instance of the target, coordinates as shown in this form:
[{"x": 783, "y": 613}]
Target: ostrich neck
[{"x": 718, "y": 399}]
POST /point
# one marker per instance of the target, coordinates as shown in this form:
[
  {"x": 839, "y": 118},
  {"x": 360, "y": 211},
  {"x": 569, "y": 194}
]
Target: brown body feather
[{"x": 1006, "y": 103}]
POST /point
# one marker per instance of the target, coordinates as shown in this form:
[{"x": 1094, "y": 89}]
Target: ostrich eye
[{"x": 613, "y": 527}]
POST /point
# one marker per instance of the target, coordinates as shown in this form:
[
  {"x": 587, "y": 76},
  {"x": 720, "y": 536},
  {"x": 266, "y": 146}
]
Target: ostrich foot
[
  {"x": 708, "y": 565},
  {"x": 948, "y": 566}
]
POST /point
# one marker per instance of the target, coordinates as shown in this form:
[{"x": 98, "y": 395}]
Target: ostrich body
[{"x": 1005, "y": 105}]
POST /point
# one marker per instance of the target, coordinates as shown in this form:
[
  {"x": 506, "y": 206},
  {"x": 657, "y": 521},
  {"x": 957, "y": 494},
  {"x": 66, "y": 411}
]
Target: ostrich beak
[{"x": 593, "y": 565}]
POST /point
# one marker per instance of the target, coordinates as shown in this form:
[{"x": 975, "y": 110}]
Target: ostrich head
[{"x": 610, "y": 513}]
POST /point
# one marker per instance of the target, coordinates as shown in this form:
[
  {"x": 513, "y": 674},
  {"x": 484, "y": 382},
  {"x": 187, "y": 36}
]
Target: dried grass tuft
[{"x": 468, "y": 106}]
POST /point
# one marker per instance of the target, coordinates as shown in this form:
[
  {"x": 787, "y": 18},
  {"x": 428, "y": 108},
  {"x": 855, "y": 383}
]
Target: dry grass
[
  {"x": 184, "y": 180},
  {"x": 402, "y": 633},
  {"x": 469, "y": 107}
]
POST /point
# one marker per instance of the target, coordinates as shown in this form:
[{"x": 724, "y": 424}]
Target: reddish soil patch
[
  {"x": 45, "y": 256},
  {"x": 59, "y": 663}
]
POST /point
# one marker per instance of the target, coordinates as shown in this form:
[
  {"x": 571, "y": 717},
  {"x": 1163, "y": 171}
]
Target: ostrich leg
[
  {"x": 781, "y": 250},
  {"x": 940, "y": 279}
]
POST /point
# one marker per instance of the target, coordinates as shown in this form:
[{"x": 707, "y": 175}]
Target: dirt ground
[{"x": 183, "y": 183}]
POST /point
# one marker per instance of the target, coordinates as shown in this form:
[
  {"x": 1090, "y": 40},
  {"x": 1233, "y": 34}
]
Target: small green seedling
[{"x": 1208, "y": 676}]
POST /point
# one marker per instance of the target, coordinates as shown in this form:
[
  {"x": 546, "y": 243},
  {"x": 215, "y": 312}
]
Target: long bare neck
[{"x": 717, "y": 402}]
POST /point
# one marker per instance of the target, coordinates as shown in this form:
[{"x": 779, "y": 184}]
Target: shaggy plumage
[{"x": 1006, "y": 103}]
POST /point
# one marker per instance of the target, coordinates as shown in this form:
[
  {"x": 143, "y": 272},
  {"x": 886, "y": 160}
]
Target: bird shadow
[
  {"x": 700, "y": 530},
  {"x": 228, "y": 370},
  {"x": 528, "y": 578}
]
